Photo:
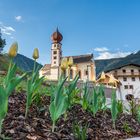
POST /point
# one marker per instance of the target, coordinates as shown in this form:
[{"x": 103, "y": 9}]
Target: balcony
[{"x": 128, "y": 74}]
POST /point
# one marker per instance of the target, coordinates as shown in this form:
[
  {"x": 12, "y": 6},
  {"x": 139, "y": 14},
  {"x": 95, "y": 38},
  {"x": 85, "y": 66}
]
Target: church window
[
  {"x": 133, "y": 78},
  {"x": 71, "y": 74},
  {"x": 54, "y": 62},
  {"x": 64, "y": 72},
  {"x": 125, "y": 86},
  {"x": 124, "y": 78},
  {"x": 55, "y": 45},
  {"x": 54, "y": 57},
  {"x": 54, "y": 52},
  {"x": 131, "y": 86},
  {"x": 132, "y": 71},
  {"x": 80, "y": 75},
  {"x": 124, "y": 71},
  {"x": 86, "y": 72}
]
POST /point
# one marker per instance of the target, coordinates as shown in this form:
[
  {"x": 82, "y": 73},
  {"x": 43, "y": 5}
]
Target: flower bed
[{"x": 38, "y": 125}]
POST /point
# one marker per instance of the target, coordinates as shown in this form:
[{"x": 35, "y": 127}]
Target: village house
[{"x": 129, "y": 76}]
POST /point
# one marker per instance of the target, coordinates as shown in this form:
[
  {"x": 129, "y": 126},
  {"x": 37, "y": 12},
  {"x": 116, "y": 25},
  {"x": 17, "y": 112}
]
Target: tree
[{"x": 2, "y": 42}]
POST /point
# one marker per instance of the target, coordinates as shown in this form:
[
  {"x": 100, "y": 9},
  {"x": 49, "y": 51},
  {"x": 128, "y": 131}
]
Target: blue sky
[{"x": 106, "y": 28}]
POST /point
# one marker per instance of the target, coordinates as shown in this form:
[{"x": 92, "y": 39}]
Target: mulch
[{"x": 38, "y": 124}]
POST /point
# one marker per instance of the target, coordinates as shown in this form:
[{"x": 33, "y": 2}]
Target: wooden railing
[{"x": 118, "y": 74}]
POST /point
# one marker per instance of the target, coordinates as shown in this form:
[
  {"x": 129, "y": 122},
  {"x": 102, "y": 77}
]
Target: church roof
[
  {"x": 46, "y": 67},
  {"x": 82, "y": 58},
  {"x": 56, "y": 36},
  {"x": 77, "y": 59}
]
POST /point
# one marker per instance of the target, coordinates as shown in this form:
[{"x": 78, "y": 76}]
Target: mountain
[
  {"x": 115, "y": 63},
  {"x": 24, "y": 63}
]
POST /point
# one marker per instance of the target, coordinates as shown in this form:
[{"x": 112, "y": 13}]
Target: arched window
[
  {"x": 64, "y": 72},
  {"x": 79, "y": 74},
  {"x": 54, "y": 52},
  {"x": 71, "y": 74}
]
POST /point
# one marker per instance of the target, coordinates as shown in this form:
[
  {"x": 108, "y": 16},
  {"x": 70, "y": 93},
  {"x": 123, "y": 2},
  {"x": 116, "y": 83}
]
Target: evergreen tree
[{"x": 2, "y": 42}]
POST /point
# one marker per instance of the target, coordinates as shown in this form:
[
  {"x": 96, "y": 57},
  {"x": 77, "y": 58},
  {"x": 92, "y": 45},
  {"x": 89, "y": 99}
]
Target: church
[{"x": 83, "y": 65}]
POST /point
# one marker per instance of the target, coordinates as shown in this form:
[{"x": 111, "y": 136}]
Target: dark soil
[{"x": 38, "y": 124}]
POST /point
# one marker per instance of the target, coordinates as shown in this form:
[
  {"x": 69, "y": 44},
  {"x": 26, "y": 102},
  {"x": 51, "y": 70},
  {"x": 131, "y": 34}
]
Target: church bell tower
[{"x": 56, "y": 53}]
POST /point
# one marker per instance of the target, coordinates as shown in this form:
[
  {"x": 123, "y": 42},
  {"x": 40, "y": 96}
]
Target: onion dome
[{"x": 56, "y": 36}]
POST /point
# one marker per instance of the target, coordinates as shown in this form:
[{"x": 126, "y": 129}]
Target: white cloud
[
  {"x": 7, "y": 30},
  {"x": 18, "y": 18},
  {"x": 12, "y": 37},
  {"x": 108, "y": 55},
  {"x": 101, "y": 49}
]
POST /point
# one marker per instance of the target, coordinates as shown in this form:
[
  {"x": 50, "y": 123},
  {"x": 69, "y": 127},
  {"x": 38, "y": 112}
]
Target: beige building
[
  {"x": 83, "y": 64},
  {"x": 129, "y": 76}
]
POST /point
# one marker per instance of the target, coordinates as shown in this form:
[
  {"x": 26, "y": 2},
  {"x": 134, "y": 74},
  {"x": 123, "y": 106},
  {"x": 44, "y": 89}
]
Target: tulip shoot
[
  {"x": 9, "y": 84},
  {"x": 114, "y": 110},
  {"x": 36, "y": 53},
  {"x": 58, "y": 105},
  {"x": 13, "y": 50},
  {"x": 94, "y": 102},
  {"x": 33, "y": 84},
  {"x": 85, "y": 97}
]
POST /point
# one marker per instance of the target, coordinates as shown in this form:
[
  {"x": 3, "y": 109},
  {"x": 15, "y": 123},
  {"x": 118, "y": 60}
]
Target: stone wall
[{"x": 91, "y": 85}]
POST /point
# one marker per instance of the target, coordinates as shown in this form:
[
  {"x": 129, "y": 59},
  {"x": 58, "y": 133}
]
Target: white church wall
[
  {"x": 83, "y": 68},
  {"x": 54, "y": 74}
]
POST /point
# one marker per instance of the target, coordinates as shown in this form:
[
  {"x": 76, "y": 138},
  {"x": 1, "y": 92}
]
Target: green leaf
[
  {"x": 71, "y": 89},
  {"x": 59, "y": 101},
  {"x": 57, "y": 111},
  {"x": 138, "y": 114},
  {"x": 58, "y": 92},
  {"x": 85, "y": 97},
  {"x": 95, "y": 102},
  {"x": 114, "y": 110},
  {"x": 3, "y": 103},
  {"x": 101, "y": 97},
  {"x": 52, "y": 111},
  {"x": 11, "y": 73},
  {"x": 13, "y": 83},
  {"x": 73, "y": 84},
  {"x": 33, "y": 83}
]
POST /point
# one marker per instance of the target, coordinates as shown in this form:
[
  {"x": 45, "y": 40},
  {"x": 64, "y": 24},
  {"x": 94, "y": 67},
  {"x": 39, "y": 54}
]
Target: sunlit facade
[{"x": 83, "y": 64}]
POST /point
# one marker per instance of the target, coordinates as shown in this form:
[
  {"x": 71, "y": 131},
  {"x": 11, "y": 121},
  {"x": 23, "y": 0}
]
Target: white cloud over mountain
[
  {"x": 102, "y": 49},
  {"x": 108, "y": 55},
  {"x": 105, "y": 53}
]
